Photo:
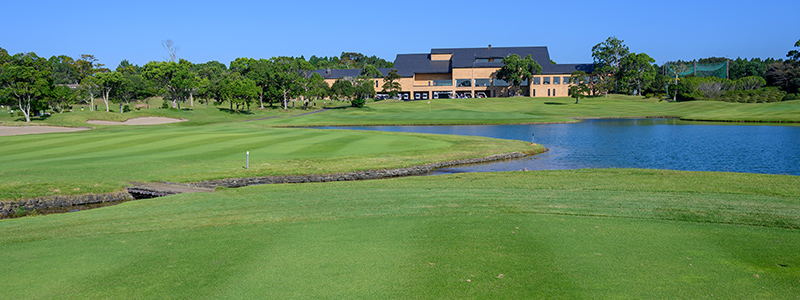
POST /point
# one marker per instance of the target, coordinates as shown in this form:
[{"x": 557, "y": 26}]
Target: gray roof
[
  {"x": 408, "y": 64},
  {"x": 465, "y": 57}
]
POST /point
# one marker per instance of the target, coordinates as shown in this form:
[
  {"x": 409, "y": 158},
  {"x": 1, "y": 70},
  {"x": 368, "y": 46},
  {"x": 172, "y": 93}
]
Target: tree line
[
  {"x": 32, "y": 83},
  {"x": 618, "y": 70}
]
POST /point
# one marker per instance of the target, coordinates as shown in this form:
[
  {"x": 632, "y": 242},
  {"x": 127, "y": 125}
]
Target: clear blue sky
[{"x": 225, "y": 30}]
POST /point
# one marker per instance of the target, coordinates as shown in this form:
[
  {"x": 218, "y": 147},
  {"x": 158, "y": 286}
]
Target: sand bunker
[
  {"x": 19, "y": 130},
  {"x": 139, "y": 121}
]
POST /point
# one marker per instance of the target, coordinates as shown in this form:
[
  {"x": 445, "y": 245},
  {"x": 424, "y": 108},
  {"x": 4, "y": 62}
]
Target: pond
[{"x": 641, "y": 143}]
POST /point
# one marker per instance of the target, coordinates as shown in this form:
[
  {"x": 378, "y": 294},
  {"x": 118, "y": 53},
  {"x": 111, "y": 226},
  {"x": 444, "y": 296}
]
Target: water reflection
[{"x": 642, "y": 143}]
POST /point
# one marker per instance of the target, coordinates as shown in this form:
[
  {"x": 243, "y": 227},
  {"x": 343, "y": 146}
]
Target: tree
[
  {"x": 638, "y": 71},
  {"x": 107, "y": 82},
  {"x": 64, "y": 71},
  {"x": 61, "y": 98},
  {"x": 516, "y": 70},
  {"x": 256, "y": 70},
  {"x": 89, "y": 88},
  {"x": 608, "y": 57},
  {"x": 676, "y": 68},
  {"x": 131, "y": 86},
  {"x": 238, "y": 90},
  {"x": 391, "y": 84},
  {"x": 343, "y": 88},
  {"x": 28, "y": 79},
  {"x": 285, "y": 75},
  {"x": 173, "y": 79},
  {"x": 87, "y": 66},
  {"x": 579, "y": 88},
  {"x": 318, "y": 88},
  {"x": 125, "y": 67},
  {"x": 794, "y": 55},
  {"x": 784, "y": 75},
  {"x": 371, "y": 72},
  {"x": 172, "y": 49}
]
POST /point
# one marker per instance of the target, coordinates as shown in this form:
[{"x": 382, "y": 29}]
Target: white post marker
[{"x": 248, "y": 160}]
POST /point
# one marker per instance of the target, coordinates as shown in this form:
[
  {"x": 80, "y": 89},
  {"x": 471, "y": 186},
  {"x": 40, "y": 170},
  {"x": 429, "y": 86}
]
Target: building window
[
  {"x": 500, "y": 82},
  {"x": 524, "y": 82},
  {"x": 483, "y": 82},
  {"x": 376, "y": 83},
  {"x": 537, "y": 80},
  {"x": 548, "y": 92},
  {"x": 481, "y": 60},
  {"x": 567, "y": 80},
  {"x": 554, "y": 92},
  {"x": 546, "y": 80},
  {"x": 443, "y": 82},
  {"x": 463, "y": 82},
  {"x": 556, "y": 80}
]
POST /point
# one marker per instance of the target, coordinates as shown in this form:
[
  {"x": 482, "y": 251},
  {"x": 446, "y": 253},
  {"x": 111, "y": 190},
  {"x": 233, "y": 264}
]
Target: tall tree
[
  {"x": 28, "y": 79},
  {"x": 285, "y": 75},
  {"x": 173, "y": 79},
  {"x": 638, "y": 71},
  {"x": 515, "y": 70},
  {"x": 607, "y": 57},
  {"x": 371, "y": 71},
  {"x": 64, "y": 71},
  {"x": 107, "y": 82},
  {"x": 172, "y": 49}
]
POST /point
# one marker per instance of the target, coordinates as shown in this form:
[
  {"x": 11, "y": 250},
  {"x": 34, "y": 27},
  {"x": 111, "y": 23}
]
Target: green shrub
[
  {"x": 791, "y": 97},
  {"x": 762, "y": 95},
  {"x": 164, "y": 104},
  {"x": 126, "y": 108},
  {"x": 358, "y": 103}
]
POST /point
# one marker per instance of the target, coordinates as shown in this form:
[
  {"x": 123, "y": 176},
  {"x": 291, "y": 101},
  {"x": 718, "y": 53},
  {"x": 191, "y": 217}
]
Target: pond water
[{"x": 640, "y": 143}]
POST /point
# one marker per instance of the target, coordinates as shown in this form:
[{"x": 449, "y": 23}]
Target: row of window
[{"x": 498, "y": 82}]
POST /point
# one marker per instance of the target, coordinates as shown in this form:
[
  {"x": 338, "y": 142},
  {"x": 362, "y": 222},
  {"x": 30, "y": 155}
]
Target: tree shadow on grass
[
  {"x": 554, "y": 103},
  {"x": 231, "y": 111}
]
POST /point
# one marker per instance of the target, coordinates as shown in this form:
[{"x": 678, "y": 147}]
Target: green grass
[
  {"x": 542, "y": 110},
  {"x": 612, "y": 233},
  {"x": 107, "y": 158}
]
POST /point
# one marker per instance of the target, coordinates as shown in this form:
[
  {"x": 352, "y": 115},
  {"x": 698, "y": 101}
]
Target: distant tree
[
  {"x": 391, "y": 84},
  {"x": 107, "y": 82},
  {"x": 172, "y": 49},
  {"x": 64, "y": 71},
  {"x": 579, "y": 87},
  {"x": 608, "y": 57},
  {"x": 61, "y": 98},
  {"x": 515, "y": 70},
  {"x": 750, "y": 83},
  {"x": 89, "y": 89},
  {"x": 131, "y": 86},
  {"x": 173, "y": 79},
  {"x": 125, "y": 67},
  {"x": 87, "y": 65},
  {"x": 675, "y": 69},
  {"x": 740, "y": 68},
  {"x": 364, "y": 88},
  {"x": 638, "y": 71},
  {"x": 286, "y": 73},
  {"x": 371, "y": 72},
  {"x": 315, "y": 88},
  {"x": 784, "y": 75},
  {"x": 343, "y": 88},
  {"x": 794, "y": 55},
  {"x": 239, "y": 91},
  {"x": 27, "y": 78}
]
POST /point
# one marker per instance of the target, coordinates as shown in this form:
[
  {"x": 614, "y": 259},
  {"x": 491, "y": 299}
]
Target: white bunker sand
[
  {"x": 20, "y": 130},
  {"x": 139, "y": 121}
]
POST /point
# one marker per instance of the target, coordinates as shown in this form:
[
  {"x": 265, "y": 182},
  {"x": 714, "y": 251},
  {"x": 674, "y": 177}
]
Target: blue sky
[{"x": 225, "y": 30}]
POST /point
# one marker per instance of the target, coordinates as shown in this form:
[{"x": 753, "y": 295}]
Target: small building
[{"x": 469, "y": 73}]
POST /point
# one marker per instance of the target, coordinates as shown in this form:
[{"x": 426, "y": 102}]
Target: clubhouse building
[{"x": 469, "y": 73}]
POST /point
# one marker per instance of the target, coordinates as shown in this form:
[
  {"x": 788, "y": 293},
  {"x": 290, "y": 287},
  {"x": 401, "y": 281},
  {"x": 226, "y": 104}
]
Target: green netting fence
[{"x": 719, "y": 70}]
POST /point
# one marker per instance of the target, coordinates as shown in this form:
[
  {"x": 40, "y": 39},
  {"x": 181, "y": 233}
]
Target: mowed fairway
[
  {"x": 106, "y": 159},
  {"x": 549, "y": 234}
]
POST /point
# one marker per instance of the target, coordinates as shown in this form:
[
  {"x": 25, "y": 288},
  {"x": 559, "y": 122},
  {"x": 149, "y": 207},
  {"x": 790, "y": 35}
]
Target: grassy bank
[
  {"x": 107, "y": 158},
  {"x": 550, "y": 234},
  {"x": 542, "y": 110}
]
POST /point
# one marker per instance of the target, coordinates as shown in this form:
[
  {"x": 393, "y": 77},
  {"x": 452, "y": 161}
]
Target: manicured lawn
[
  {"x": 537, "y": 110},
  {"x": 107, "y": 158},
  {"x": 612, "y": 233}
]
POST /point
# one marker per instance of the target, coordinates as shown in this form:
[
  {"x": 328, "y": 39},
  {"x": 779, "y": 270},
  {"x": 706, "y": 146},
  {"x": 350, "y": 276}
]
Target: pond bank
[{"x": 56, "y": 204}]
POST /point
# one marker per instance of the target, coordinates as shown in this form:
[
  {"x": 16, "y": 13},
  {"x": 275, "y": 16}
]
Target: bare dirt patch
[
  {"x": 19, "y": 130},
  {"x": 139, "y": 121}
]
